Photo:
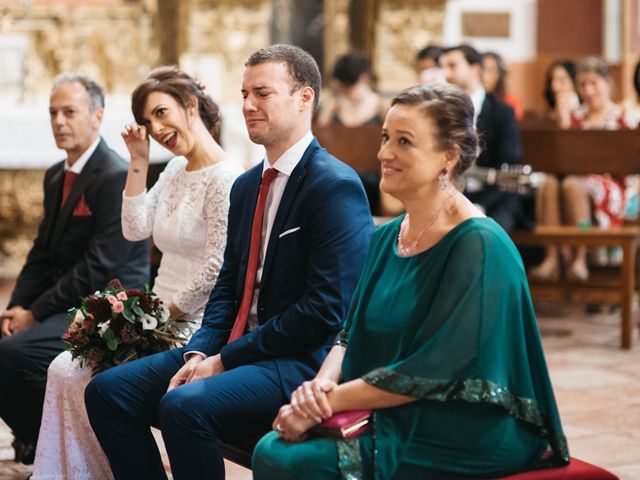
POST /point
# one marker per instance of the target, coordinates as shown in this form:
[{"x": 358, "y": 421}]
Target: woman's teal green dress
[{"x": 454, "y": 327}]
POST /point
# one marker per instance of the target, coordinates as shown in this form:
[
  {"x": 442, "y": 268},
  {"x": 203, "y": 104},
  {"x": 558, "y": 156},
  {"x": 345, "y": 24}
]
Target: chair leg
[{"x": 628, "y": 288}]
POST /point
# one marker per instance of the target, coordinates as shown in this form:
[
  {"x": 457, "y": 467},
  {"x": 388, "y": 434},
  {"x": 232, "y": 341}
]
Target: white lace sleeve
[
  {"x": 138, "y": 212},
  {"x": 196, "y": 290}
]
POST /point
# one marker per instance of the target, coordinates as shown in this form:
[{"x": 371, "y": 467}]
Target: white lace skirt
[{"x": 67, "y": 447}]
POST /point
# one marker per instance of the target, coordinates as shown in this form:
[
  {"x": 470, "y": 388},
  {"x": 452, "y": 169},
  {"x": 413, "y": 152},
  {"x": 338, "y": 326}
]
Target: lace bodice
[{"x": 186, "y": 214}]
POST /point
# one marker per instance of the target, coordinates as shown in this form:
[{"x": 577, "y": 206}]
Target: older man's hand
[{"x": 16, "y": 319}]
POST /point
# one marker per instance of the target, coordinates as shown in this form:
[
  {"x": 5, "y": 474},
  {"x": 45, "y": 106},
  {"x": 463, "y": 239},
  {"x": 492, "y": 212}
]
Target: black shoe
[
  {"x": 24, "y": 452},
  {"x": 18, "y": 447},
  {"x": 28, "y": 454}
]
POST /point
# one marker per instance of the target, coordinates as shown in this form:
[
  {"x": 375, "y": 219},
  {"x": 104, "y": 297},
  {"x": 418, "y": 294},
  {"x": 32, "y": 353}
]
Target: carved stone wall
[
  {"x": 113, "y": 44},
  {"x": 336, "y": 32},
  {"x": 403, "y": 28},
  {"x": 226, "y": 32},
  {"x": 21, "y": 199}
]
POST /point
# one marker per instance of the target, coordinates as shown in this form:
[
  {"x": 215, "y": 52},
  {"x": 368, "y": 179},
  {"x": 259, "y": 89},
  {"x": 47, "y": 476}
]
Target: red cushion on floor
[{"x": 576, "y": 470}]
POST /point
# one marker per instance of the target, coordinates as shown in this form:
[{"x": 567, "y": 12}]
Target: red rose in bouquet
[{"x": 117, "y": 325}]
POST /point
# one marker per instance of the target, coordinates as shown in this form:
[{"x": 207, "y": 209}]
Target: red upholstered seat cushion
[{"x": 576, "y": 470}]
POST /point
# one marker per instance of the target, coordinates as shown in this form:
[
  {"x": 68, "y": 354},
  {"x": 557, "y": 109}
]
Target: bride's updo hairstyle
[
  {"x": 451, "y": 112},
  {"x": 173, "y": 81}
]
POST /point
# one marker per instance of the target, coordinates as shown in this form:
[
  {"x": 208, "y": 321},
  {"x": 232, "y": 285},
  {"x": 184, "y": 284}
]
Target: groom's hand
[
  {"x": 181, "y": 377},
  {"x": 208, "y": 367}
]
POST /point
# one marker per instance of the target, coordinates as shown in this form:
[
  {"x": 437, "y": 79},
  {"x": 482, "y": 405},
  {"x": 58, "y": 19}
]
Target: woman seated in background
[
  {"x": 441, "y": 340},
  {"x": 494, "y": 80},
  {"x": 354, "y": 103},
  {"x": 560, "y": 91},
  {"x": 186, "y": 214},
  {"x": 580, "y": 198},
  {"x": 632, "y": 104}
]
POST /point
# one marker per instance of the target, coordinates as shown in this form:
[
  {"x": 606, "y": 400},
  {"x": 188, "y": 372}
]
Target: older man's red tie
[
  {"x": 69, "y": 179},
  {"x": 240, "y": 323}
]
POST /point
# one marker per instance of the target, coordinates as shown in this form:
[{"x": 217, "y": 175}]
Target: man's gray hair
[{"x": 95, "y": 92}]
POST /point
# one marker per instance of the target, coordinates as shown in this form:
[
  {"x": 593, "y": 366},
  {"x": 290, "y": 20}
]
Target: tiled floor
[{"x": 597, "y": 386}]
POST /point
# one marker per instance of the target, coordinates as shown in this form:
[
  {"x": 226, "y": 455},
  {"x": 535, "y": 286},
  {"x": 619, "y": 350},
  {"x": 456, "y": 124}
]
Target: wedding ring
[
  {"x": 279, "y": 428},
  {"x": 309, "y": 395}
]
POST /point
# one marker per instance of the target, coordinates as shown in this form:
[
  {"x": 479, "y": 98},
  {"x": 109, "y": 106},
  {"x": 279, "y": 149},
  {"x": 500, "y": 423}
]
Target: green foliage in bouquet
[{"x": 116, "y": 326}]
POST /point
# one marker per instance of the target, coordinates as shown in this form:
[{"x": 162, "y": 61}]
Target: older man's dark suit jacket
[
  {"x": 500, "y": 140},
  {"x": 77, "y": 251},
  {"x": 73, "y": 255},
  {"x": 316, "y": 250}
]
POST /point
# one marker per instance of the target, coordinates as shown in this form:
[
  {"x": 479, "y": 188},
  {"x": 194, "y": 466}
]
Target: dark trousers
[
  {"x": 24, "y": 359},
  {"x": 125, "y": 401}
]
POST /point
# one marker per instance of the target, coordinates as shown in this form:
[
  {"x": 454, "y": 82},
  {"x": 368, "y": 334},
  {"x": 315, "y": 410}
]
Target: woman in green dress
[{"x": 441, "y": 341}]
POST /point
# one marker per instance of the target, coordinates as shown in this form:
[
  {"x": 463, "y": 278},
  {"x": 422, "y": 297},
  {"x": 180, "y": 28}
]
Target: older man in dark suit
[
  {"x": 500, "y": 137},
  {"x": 299, "y": 229},
  {"x": 79, "y": 248}
]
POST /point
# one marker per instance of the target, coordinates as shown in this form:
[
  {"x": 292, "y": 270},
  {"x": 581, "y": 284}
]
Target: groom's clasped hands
[{"x": 196, "y": 368}]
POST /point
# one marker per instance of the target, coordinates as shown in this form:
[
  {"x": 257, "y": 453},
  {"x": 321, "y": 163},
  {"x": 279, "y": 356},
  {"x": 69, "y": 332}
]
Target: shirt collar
[
  {"x": 290, "y": 159},
  {"x": 83, "y": 159},
  {"x": 477, "y": 98}
]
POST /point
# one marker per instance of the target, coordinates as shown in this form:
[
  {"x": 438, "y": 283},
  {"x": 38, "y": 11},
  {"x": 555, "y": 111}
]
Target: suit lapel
[
  {"x": 482, "y": 116},
  {"x": 288, "y": 197},
  {"x": 86, "y": 177},
  {"x": 55, "y": 195}
]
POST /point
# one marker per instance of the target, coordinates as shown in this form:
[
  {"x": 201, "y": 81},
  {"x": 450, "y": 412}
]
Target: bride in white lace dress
[{"x": 186, "y": 214}]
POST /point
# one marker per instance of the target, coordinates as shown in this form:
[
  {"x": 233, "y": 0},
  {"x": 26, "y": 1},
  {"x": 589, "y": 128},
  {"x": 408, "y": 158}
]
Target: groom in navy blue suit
[{"x": 280, "y": 299}]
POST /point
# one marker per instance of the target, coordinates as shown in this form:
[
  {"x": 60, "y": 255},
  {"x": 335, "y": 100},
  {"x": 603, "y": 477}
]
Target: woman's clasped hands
[{"x": 309, "y": 406}]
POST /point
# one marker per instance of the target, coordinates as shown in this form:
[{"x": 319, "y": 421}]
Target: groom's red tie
[{"x": 254, "y": 254}]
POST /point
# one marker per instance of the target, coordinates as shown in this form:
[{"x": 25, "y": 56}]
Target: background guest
[
  {"x": 428, "y": 65},
  {"x": 632, "y": 104},
  {"x": 498, "y": 129},
  {"x": 494, "y": 80},
  {"x": 560, "y": 91},
  {"x": 606, "y": 193},
  {"x": 354, "y": 102}
]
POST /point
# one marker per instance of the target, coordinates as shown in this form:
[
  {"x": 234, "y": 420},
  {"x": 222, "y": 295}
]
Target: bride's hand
[{"x": 137, "y": 141}]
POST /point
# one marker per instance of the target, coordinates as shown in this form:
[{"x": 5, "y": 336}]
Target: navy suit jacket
[
  {"x": 75, "y": 255},
  {"x": 309, "y": 274}
]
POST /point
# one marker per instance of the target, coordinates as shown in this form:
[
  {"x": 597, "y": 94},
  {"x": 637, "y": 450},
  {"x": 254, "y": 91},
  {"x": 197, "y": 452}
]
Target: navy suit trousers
[{"x": 125, "y": 401}]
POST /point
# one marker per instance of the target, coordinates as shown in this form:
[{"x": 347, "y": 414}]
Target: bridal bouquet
[{"x": 117, "y": 325}]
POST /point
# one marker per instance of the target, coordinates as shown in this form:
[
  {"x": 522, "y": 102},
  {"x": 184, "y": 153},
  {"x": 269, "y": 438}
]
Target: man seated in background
[
  {"x": 78, "y": 249},
  {"x": 498, "y": 129},
  {"x": 428, "y": 69}
]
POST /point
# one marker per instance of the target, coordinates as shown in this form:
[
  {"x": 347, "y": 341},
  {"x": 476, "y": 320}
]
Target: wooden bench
[
  {"x": 582, "y": 152},
  {"x": 602, "y": 287}
]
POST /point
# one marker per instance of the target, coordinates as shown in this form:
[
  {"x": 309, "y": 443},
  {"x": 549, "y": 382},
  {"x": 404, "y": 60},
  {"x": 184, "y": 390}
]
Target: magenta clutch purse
[{"x": 344, "y": 425}]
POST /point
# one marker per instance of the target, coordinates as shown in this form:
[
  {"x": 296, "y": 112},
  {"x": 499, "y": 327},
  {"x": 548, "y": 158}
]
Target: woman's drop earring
[{"x": 443, "y": 183}]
